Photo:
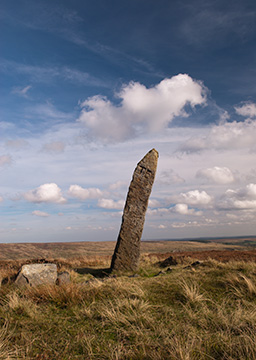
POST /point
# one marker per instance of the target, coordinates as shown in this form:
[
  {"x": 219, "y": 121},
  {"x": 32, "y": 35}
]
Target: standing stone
[{"x": 127, "y": 251}]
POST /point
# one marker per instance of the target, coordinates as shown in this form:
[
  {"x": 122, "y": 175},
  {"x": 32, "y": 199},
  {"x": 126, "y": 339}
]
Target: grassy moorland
[
  {"x": 189, "y": 312},
  {"x": 75, "y": 250}
]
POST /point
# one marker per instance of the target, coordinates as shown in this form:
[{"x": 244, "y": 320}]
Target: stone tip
[
  {"x": 151, "y": 156},
  {"x": 154, "y": 151}
]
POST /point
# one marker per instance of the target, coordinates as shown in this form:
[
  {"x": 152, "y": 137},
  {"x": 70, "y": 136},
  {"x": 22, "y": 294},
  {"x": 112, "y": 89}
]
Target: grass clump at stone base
[{"x": 207, "y": 312}]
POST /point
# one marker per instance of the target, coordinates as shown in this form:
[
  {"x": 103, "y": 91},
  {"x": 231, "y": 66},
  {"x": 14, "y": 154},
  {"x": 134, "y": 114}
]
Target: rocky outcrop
[
  {"x": 37, "y": 274},
  {"x": 127, "y": 251}
]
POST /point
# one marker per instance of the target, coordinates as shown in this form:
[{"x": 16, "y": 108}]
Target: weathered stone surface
[
  {"x": 127, "y": 251},
  {"x": 37, "y": 274},
  {"x": 63, "y": 278}
]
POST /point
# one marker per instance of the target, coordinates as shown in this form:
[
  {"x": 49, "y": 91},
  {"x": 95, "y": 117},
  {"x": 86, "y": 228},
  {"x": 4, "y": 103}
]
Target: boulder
[{"x": 37, "y": 274}]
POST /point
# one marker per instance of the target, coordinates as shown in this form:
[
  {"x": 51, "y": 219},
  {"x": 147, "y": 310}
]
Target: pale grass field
[
  {"x": 203, "y": 312},
  {"x": 21, "y": 251}
]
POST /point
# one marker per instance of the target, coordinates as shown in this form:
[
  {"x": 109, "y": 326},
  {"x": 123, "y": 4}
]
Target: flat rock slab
[{"x": 37, "y": 274}]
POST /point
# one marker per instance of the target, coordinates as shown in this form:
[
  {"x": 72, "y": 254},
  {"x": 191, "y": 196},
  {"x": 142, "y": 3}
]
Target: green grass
[{"x": 204, "y": 313}]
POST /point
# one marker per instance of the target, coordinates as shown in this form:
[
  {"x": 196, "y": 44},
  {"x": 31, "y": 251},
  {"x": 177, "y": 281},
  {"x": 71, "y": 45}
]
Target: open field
[
  {"x": 88, "y": 249},
  {"x": 97, "y": 254},
  {"x": 188, "y": 312}
]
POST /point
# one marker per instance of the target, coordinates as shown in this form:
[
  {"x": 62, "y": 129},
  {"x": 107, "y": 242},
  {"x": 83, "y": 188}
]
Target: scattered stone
[
  {"x": 127, "y": 251},
  {"x": 196, "y": 263},
  {"x": 37, "y": 274},
  {"x": 167, "y": 262},
  {"x": 169, "y": 270},
  {"x": 134, "y": 275},
  {"x": 193, "y": 265},
  {"x": 160, "y": 273},
  {"x": 63, "y": 278}
]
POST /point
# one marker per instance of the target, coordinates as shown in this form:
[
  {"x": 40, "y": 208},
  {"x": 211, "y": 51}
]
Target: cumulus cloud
[
  {"x": 218, "y": 175},
  {"x": 225, "y": 136},
  {"x": 183, "y": 209},
  {"x": 48, "y": 193},
  {"x": 54, "y": 147},
  {"x": 111, "y": 204},
  {"x": 240, "y": 199},
  {"x": 141, "y": 109},
  {"x": 40, "y": 213},
  {"x": 195, "y": 197},
  {"x": 247, "y": 109},
  {"x": 80, "y": 193},
  {"x": 5, "y": 160}
]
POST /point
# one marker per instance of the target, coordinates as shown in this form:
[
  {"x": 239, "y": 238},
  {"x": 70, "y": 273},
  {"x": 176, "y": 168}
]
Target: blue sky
[{"x": 88, "y": 88}]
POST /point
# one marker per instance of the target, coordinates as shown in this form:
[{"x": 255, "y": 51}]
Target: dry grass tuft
[{"x": 191, "y": 292}]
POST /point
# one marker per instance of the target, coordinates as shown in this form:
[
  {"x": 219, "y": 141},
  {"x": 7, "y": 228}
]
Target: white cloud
[
  {"x": 111, "y": 204},
  {"x": 22, "y": 91},
  {"x": 247, "y": 109},
  {"x": 226, "y": 136},
  {"x": 153, "y": 203},
  {"x": 117, "y": 185},
  {"x": 183, "y": 209},
  {"x": 141, "y": 109},
  {"x": 158, "y": 212},
  {"x": 78, "y": 192},
  {"x": 5, "y": 160},
  {"x": 54, "y": 147},
  {"x": 40, "y": 213},
  {"x": 219, "y": 175},
  {"x": 195, "y": 197},
  {"x": 241, "y": 199},
  {"x": 49, "y": 193}
]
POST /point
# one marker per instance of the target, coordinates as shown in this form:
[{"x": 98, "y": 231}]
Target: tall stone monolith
[{"x": 127, "y": 252}]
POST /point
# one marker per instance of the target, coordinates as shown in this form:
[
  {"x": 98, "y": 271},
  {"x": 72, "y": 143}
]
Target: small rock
[
  {"x": 134, "y": 275},
  {"x": 160, "y": 273},
  {"x": 196, "y": 263},
  {"x": 37, "y": 274},
  {"x": 193, "y": 265},
  {"x": 169, "y": 269},
  {"x": 167, "y": 262}
]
